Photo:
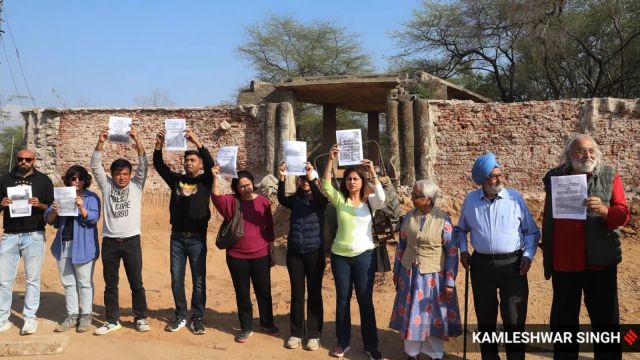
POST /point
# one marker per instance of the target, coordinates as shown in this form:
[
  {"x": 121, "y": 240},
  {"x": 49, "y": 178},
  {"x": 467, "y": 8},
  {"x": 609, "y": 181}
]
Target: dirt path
[{"x": 221, "y": 320}]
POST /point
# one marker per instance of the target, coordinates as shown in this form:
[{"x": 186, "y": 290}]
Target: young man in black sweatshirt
[{"x": 189, "y": 217}]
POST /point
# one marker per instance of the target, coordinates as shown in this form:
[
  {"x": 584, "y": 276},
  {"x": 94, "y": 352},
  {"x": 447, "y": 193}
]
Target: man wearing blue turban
[{"x": 504, "y": 237}]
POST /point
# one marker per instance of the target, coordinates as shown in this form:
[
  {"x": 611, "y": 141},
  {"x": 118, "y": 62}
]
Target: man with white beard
[
  {"x": 581, "y": 256},
  {"x": 504, "y": 238}
]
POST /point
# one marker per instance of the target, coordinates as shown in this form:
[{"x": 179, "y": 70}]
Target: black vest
[{"x": 602, "y": 244}]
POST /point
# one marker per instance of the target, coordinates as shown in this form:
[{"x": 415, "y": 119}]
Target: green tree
[
  {"x": 11, "y": 138},
  {"x": 283, "y": 47},
  {"x": 513, "y": 50}
]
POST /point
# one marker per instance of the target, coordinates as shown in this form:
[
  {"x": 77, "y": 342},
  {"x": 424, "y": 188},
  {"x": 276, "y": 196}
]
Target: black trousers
[
  {"x": 492, "y": 278},
  {"x": 600, "y": 288},
  {"x": 128, "y": 250},
  {"x": 310, "y": 267},
  {"x": 256, "y": 271}
]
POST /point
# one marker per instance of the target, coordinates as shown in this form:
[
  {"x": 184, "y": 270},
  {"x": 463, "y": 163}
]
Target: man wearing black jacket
[
  {"x": 189, "y": 217},
  {"x": 23, "y": 236}
]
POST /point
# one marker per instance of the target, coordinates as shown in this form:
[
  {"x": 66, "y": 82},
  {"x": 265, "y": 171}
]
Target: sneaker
[
  {"x": 374, "y": 355},
  {"x": 312, "y": 344},
  {"x": 338, "y": 351},
  {"x": 5, "y": 325},
  {"x": 107, "y": 328},
  {"x": 243, "y": 336},
  {"x": 271, "y": 330},
  {"x": 69, "y": 322},
  {"x": 293, "y": 342},
  {"x": 142, "y": 325},
  {"x": 84, "y": 323},
  {"x": 176, "y": 324},
  {"x": 30, "y": 326},
  {"x": 197, "y": 326}
]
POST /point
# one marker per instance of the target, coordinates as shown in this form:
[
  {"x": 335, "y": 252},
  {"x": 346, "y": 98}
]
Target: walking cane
[{"x": 466, "y": 313}]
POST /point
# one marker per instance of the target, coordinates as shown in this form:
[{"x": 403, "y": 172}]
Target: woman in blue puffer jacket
[{"x": 305, "y": 256}]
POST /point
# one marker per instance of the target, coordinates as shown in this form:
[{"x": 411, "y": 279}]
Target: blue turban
[{"x": 483, "y": 167}]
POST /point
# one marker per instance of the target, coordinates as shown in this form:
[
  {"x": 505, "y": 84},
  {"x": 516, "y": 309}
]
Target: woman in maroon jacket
[{"x": 250, "y": 259}]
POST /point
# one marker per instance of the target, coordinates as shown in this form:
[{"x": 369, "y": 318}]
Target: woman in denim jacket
[{"x": 75, "y": 248}]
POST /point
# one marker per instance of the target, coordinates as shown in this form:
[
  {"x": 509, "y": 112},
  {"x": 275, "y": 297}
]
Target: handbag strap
[{"x": 373, "y": 225}]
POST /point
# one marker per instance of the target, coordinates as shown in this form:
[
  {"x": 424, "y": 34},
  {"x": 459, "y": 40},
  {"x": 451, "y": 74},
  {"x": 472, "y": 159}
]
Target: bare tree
[{"x": 157, "y": 98}]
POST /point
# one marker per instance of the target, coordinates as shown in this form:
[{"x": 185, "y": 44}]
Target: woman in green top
[{"x": 353, "y": 261}]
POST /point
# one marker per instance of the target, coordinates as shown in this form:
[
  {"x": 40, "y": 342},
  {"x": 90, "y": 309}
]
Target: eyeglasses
[
  {"x": 496, "y": 176},
  {"x": 25, "y": 159},
  {"x": 584, "y": 151},
  {"x": 417, "y": 196},
  {"x": 76, "y": 178}
]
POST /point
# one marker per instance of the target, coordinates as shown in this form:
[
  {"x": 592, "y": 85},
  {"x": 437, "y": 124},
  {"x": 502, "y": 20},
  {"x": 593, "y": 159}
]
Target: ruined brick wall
[
  {"x": 529, "y": 137},
  {"x": 64, "y": 137}
]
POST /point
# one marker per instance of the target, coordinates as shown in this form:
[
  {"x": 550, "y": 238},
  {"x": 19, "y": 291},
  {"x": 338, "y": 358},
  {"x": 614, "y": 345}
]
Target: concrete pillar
[
  {"x": 270, "y": 138},
  {"x": 373, "y": 131},
  {"x": 407, "y": 155},
  {"x": 328, "y": 126},
  {"x": 421, "y": 129},
  {"x": 285, "y": 130},
  {"x": 392, "y": 133}
]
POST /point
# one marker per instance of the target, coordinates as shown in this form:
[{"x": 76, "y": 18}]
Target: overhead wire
[{"x": 24, "y": 78}]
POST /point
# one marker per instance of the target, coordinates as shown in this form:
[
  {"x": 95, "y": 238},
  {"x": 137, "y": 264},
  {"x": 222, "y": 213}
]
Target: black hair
[
  {"x": 81, "y": 172},
  {"x": 236, "y": 181},
  {"x": 192, "y": 152},
  {"x": 119, "y": 164},
  {"x": 365, "y": 190}
]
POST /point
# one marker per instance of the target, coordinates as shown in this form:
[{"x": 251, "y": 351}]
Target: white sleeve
[{"x": 376, "y": 200}]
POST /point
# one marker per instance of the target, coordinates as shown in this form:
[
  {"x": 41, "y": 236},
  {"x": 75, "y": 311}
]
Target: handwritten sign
[
  {"x": 19, "y": 196},
  {"x": 350, "y": 142},
  {"x": 227, "y": 158},
  {"x": 119, "y": 129},
  {"x": 295, "y": 155},
  {"x": 66, "y": 199},
  {"x": 174, "y": 138},
  {"x": 567, "y": 196}
]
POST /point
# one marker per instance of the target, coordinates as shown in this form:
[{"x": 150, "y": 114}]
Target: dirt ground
[{"x": 221, "y": 319}]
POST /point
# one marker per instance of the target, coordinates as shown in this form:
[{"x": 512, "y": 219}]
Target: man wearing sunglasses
[{"x": 23, "y": 237}]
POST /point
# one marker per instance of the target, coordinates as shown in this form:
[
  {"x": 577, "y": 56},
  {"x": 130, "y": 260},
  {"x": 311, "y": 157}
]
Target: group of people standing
[{"x": 580, "y": 255}]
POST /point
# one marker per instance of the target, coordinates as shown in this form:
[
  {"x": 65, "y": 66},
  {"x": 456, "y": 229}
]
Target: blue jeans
[
  {"x": 29, "y": 246},
  {"x": 193, "y": 248},
  {"x": 77, "y": 280},
  {"x": 355, "y": 272}
]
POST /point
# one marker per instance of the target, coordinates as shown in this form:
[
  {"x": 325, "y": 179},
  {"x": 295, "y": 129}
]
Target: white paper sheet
[
  {"x": 227, "y": 158},
  {"x": 20, "y": 196},
  {"x": 350, "y": 142},
  {"x": 568, "y": 194},
  {"x": 295, "y": 155},
  {"x": 119, "y": 129},
  {"x": 66, "y": 199},
  {"x": 174, "y": 138}
]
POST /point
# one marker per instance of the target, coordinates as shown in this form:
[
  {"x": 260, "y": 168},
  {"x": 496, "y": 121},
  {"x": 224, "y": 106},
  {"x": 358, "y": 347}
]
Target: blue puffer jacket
[{"x": 307, "y": 216}]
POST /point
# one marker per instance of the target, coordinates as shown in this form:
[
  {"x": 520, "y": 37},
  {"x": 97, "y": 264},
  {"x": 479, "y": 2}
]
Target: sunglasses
[
  {"x": 76, "y": 178},
  {"x": 417, "y": 196},
  {"x": 25, "y": 159}
]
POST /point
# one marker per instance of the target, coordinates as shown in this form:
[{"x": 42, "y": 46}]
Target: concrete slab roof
[{"x": 363, "y": 93}]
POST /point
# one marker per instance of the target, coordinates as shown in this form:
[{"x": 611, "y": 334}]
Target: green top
[{"x": 354, "y": 223}]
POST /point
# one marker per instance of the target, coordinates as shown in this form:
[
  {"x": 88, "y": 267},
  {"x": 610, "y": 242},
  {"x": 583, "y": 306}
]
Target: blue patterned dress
[{"x": 420, "y": 308}]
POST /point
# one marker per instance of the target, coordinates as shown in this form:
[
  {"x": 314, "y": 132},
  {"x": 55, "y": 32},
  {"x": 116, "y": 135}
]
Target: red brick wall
[
  {"x": 529, "y": 137},
  {"x": 67, "y": 136}
]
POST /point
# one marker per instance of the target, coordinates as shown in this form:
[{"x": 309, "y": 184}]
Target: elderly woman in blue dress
[{"x": 425, "y": 310}]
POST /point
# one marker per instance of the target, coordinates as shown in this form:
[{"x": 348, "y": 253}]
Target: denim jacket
[{"x": 85, "y": 232}]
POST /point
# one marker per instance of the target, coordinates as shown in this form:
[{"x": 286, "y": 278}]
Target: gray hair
[
  {"x": 428, "y": 188},
  {"x": 565, "y": 157}
]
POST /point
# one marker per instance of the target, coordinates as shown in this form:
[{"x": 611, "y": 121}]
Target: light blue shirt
[{"x": 501, "y": 226}]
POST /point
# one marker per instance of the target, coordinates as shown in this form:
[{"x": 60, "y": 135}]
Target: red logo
[{"x": 630, "y": 337}]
